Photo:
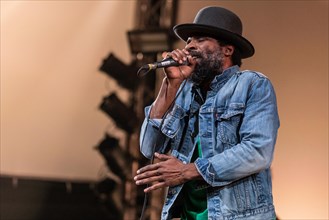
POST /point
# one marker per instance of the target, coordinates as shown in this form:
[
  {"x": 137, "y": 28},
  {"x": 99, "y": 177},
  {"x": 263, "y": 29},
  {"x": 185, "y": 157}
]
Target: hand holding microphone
[{"x": 175, "y": 58}]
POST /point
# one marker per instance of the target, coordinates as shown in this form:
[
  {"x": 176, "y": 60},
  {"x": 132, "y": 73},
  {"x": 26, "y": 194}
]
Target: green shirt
[{"x": 195, "y": 200}]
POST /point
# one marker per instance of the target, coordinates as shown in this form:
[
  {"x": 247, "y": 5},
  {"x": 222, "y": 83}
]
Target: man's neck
[{"x": 205, "y": 86}]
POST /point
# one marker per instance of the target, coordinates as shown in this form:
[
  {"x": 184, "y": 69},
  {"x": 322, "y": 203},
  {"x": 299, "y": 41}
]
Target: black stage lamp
[
  {"x": 124, "y": 74},
  {"x": 123, "y": 115},
  {"x": 116, "y": 158},
  {"x": 150, "y": 41}
]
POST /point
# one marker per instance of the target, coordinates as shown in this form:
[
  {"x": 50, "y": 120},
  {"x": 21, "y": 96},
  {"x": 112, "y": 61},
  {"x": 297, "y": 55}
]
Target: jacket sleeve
[
  {"x": 149, "y": 135},
  {"x": 156, "y": 133},
  {"x": 258, "y": 133}
]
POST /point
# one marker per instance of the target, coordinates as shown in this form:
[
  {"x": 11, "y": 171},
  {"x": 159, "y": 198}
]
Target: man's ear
[{"x": 228, "y": 50}]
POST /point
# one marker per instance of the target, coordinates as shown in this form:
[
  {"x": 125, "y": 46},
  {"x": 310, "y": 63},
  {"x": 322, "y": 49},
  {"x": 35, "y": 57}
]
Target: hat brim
[{"x": 184, "y": 31}]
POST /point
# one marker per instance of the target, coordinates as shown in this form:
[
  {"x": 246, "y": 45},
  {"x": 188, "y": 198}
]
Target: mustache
[{"x": 195, "y": 53}]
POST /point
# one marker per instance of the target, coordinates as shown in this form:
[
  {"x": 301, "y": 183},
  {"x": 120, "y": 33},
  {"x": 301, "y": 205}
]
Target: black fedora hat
[{"x": 220, "y": 24}]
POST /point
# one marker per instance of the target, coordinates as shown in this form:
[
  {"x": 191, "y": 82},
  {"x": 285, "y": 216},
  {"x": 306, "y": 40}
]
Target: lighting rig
[{"x": 152, "y": 35}]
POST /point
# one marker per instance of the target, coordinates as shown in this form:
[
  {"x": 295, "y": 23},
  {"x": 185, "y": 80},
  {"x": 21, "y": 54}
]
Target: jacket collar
[{"x": 222, "y": 78}]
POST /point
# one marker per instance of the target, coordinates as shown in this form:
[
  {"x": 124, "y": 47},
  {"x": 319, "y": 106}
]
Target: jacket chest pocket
[{"x": 228, "y": 121}]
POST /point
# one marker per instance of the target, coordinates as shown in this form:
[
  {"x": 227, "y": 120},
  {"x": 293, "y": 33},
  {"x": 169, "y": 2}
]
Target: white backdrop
[{"x": 51, "y": 86}]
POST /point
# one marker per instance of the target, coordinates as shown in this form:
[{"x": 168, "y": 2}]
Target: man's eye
[
  {"x": 200, "y": 39},
  {"x": 197, "y": 39}
]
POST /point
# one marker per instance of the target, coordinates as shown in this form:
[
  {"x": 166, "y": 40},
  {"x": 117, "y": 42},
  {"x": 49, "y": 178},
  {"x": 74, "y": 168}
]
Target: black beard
[{"x": 209, "y": 66}]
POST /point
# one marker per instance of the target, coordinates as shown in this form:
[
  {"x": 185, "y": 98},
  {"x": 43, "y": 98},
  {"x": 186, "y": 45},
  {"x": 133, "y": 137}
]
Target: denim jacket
[{"x": 237, "y": 127}]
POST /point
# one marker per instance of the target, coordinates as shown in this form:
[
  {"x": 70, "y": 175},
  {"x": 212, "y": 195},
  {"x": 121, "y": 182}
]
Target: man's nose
[{"x": 190, "y": 45}]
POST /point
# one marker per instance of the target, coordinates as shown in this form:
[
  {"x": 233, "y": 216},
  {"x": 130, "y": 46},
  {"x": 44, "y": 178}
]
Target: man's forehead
[{"x": 198, "y": 37}]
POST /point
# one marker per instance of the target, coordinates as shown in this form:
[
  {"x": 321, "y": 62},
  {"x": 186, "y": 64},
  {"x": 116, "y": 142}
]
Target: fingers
[
  {"x": 154, "y": 187},
  {"x": 153, "y": 177},
  {"x": 177, "y": 54},
  {"x": 155, "y": 166},
  {"x": 152, "y": 169},
  {"x": 160, "y": 174},
  {"x": 148, "y": 168},
  {"x": 162, "y": 157},
  {"x": 147, "y": 178},
  {"x": 146, "y": 174}
]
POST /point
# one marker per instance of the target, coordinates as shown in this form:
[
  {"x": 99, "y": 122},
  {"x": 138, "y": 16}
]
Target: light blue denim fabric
[{"x": 238, "y": 126}]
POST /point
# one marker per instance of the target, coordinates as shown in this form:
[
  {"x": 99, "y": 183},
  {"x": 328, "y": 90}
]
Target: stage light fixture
[
  {"x": 123, "y": 116},
  {"x": 116, "y": 158},
  {"x": 124, "y": 74},
  {"x": 150, "y": 41}
]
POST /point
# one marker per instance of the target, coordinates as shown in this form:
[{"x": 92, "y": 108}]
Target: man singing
[{"x": 212, "y": 127}]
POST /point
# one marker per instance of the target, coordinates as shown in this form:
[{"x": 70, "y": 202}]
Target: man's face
[{"x": 208, "y": 54}]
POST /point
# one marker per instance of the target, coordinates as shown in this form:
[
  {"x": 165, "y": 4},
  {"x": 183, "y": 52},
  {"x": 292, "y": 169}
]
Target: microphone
[
  {"x": 164, "y": 63},
  {"x": 160, "y": 64}
]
